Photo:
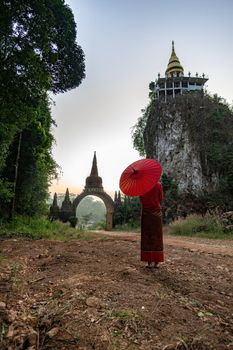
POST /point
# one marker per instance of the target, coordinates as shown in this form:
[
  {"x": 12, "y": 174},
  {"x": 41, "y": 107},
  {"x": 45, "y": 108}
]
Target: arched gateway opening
[
  {"x": 91, "y": 213},
  {"x": 105, "y": 198},
  {"x": 94, "y": 187}
]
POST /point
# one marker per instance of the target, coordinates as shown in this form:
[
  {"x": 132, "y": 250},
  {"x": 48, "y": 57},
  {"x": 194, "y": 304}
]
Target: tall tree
[
  {"x": 127, "y": 211},
  {"x": 35, "y": 166},
  {"x": 38, "y": 53}
]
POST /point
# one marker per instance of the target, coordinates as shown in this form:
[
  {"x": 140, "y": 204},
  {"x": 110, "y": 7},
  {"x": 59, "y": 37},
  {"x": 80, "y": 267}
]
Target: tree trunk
[{"x": 12, "y": 209}]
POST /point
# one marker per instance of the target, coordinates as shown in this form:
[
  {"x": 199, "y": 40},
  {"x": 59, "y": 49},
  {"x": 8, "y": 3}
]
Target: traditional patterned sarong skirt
[{"x": 151, "y": 235}]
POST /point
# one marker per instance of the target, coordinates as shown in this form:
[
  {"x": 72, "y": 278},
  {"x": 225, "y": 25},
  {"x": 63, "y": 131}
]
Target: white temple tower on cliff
[{"x": 175, "y": 82}]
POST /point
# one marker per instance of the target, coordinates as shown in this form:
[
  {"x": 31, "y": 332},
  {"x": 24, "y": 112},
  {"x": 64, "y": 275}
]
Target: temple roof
[{"x": 174, "y": 65}]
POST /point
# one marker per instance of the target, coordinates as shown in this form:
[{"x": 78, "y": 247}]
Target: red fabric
[
  {"x": 151, "y": 235},
  {"x": 153, "y": 198},
  {"x": 152, "y": 256}
]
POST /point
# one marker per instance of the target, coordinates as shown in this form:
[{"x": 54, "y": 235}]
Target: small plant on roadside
[
  {"x": 77, "y": 339},
  {"x": 57, "y": 294},
  {"x": 3, "y": 331},
  {"x": 125, "y": 315},
  {"x": 2, "y": 257},
  {"x": 115, "y": 341},
  {"x": 15, "y": 269},
  {"x": 162, "y": 293}
]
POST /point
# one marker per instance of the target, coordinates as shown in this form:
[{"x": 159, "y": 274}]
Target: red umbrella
[{"x": 140, "y": 177}]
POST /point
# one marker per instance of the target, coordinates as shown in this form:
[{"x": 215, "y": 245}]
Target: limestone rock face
[{"x": 168, "y": 140}]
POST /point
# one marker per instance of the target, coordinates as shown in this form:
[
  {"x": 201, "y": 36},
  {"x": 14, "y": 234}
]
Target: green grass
[
  {"x": 208, "y": 226},
  {"x": 124, "y": 315},
  {"x": 41, "y": 228},
  {"x": 15, "y": 267},
  {"x": 2, "y": 257}
]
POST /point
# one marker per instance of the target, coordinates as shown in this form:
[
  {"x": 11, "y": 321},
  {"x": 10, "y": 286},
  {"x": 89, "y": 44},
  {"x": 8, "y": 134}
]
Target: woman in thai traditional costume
[{"x": 151, "y": 226}]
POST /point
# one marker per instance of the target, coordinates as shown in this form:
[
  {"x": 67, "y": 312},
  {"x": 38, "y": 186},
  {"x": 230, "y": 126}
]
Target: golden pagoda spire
[
  {"x": 173, "y": 49},
  {"x": 174, "y": 65}
]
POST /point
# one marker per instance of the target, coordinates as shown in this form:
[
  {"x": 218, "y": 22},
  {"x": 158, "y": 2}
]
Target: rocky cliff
[{"x": 192, "y": 137}]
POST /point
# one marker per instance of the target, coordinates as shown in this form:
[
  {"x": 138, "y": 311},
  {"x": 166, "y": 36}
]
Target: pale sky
[{"x": 126, "y": 44}]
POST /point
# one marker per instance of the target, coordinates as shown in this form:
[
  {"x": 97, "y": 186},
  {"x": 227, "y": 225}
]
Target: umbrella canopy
[{"x": 140, "y": 177}]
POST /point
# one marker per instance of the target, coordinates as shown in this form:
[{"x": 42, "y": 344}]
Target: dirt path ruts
[{"x": 212, "y": 246}]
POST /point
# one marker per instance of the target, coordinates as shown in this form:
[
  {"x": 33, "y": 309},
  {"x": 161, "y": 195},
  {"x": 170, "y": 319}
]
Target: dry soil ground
[{"x": 96, "y": 294}]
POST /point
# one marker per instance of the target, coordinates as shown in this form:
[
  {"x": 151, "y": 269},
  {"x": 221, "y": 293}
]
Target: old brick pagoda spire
[{"x": 94, "y": 181}]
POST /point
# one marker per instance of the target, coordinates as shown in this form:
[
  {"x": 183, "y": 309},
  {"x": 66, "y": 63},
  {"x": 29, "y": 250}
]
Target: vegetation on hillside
[{"x": 209, "y": 122}]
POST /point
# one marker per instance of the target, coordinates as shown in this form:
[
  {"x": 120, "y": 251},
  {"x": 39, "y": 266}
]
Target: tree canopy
[{"x": 38, "y": 54}]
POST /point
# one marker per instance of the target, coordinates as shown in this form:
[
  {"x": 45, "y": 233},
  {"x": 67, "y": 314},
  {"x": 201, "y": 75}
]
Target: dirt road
[{"x": 96, "y": 294}]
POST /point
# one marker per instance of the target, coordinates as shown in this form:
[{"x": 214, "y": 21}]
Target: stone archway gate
[
  {"x": 109, "y": 204},
  {"x": 94, "y": 187}
]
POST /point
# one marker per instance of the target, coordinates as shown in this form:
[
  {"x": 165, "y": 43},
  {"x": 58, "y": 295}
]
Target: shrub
[
  {"x": 73, "y": 221},
  {"x": 208, "y": 226},
  {"x": 41, "y": 228}
]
